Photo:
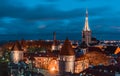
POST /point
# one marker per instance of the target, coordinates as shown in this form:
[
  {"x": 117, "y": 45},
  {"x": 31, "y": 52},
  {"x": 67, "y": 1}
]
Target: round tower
[
  {"x": 16, "y": 52},
  {"x": 66, "y": 58}
]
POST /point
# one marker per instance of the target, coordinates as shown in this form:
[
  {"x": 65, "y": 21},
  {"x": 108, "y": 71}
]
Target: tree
[{"x": 6, "y": 56}]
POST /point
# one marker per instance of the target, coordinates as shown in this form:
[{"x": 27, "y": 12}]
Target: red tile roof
[
  {"x": 67, "y": 48},
  {"x": 16, "y": 46}
]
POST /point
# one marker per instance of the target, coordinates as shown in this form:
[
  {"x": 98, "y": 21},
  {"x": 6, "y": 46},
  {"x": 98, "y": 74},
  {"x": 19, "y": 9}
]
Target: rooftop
[
  {"x": 16, "y": 46},
  {"x": 67, "y": 48}
]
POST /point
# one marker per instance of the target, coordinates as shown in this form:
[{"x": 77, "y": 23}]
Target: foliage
[{"x": 6, "y": 56}]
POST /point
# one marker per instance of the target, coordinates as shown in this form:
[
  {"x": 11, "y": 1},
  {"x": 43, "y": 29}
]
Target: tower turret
[
  {"x": 56, "y": 44},
  {"x": 16, "y": 52},
  {"x": 66, "y": 58}
]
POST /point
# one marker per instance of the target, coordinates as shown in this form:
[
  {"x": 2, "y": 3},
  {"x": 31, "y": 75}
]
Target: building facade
[
  {"x": 16, "y": 53},
  {"x": 66, "y": 58}
]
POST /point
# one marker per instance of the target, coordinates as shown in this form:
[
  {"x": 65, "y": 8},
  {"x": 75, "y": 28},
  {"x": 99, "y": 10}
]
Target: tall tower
[
  {"x": 55, "y": 45},
  {"x": 16, "y": 52},
  {"x": 66, "y": 58},
  {"x": 54, "y": 36},
  {"x": 86, "y": 33}
]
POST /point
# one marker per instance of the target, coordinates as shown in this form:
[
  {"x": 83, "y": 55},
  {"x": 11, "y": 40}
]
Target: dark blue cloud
[{"x": 66, "y": 17}]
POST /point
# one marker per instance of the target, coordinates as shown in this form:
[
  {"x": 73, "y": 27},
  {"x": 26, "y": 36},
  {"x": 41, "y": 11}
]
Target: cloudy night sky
[{"x": 38, "y": 19}]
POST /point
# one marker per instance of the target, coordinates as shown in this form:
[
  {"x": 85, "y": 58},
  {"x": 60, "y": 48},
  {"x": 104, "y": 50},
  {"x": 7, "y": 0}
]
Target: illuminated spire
[{"x": 86, "y": 27}]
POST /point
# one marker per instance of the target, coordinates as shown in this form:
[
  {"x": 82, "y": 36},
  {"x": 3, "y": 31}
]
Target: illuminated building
[
  {"x": 17, "y": 66},
  {"x": 66, "y": 58},
  {"x": 56, "y": 44},
  {"x": 46, "y": 61},
  {"x": 86, "y": 33},
  {"x": 81, "y": 63},
  {"x": 64, "y": 62},
  {"x": 16, "y": 53}
]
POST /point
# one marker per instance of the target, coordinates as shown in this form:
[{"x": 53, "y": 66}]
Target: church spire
[
  {"x": 54, "y": 36},
  {"x": 86, "y": 27}
]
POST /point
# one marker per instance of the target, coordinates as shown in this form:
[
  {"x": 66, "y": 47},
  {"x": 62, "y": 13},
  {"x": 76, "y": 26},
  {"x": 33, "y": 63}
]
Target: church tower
[
  {"x": 54, "y": 36},
  {"x": 86, "y": 33},
  {"x": 56, "y": 44},
  {"x": 66, "y": 58}
]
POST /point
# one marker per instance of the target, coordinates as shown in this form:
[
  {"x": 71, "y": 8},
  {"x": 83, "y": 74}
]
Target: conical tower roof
[
  {"x": 16, "y": 46},
  {"x": 86, "y": 27},
  {"x": 67, "y": 48}
]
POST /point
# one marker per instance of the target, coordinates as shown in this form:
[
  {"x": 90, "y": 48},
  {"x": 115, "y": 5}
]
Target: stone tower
[
  {"x": 66, "y": 58},
  {"x": 55, "y": 45},
  {"x": 16, "y": 52},
  {"x": 86, "y": 33}
]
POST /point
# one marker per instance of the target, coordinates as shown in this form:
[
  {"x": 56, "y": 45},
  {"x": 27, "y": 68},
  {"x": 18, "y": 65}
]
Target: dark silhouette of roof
[
  {"x": 94, "y": 49},
  {"x": 101, "y": 70},
  {"x": 16, "y": 46},
  {"x": 93, "y": 39},
  {"x": 83, "y": 45},
  {"x": 56, "y": 43},
  {"x": 23, "y": 43},
  {"x": 110, "y": 49},
  {"x": 118, "y": 54},
  {"x": 67, "y": 48}
]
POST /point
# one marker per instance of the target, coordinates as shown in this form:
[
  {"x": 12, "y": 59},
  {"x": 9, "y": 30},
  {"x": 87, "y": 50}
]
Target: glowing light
[
  {"x": 16, "y": 56},
  {"x": 53, "y": 66},
  {"x": 52, "y": 69}
]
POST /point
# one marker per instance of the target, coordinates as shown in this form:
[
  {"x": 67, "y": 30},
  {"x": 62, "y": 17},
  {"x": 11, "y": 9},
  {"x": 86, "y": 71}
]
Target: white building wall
[
  {"x": 66, "y": 64},
  {"x": 81, "y": 65},
  {"x": 16, "y": 56}
]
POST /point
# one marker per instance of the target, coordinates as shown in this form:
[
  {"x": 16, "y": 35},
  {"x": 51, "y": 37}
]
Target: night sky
[{"x": 38, "y": 19}]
